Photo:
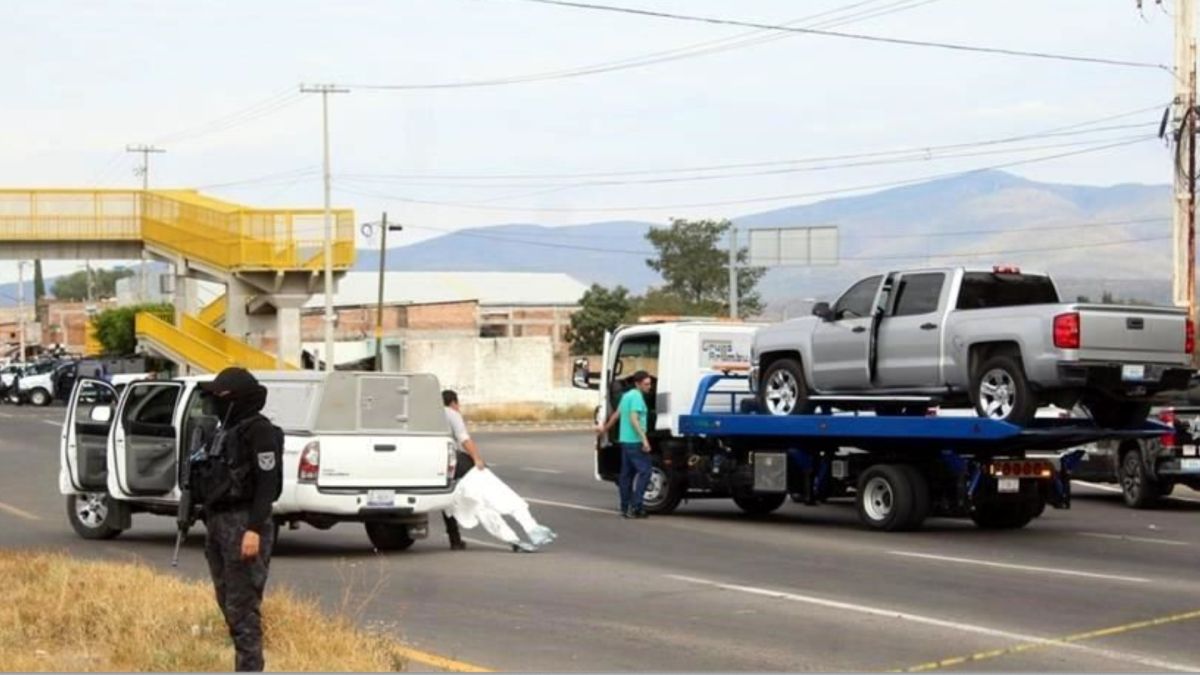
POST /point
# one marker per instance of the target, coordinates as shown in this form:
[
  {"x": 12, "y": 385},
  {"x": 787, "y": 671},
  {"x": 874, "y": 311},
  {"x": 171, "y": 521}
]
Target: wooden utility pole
[{"x": 1184, "y": 113}]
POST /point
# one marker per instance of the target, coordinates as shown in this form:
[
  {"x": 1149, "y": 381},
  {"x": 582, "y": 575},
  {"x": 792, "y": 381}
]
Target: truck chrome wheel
[
  {"x": 91, "y": 509},
  {"x": 877, "y": 499},
  {"x": 997, "y": 394},
  {"x": 782, "y": 393},
  {"x": 655, "y": 487}
]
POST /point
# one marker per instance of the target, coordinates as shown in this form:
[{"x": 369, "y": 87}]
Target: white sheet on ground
[{"x": 481, "y": 498}]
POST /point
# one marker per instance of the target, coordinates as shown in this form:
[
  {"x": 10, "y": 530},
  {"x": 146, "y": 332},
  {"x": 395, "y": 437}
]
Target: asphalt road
[{"x": 1098, "y": 588}]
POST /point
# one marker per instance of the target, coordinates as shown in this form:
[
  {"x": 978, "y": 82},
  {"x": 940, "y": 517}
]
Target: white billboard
[{"x": 794, "y": 246}]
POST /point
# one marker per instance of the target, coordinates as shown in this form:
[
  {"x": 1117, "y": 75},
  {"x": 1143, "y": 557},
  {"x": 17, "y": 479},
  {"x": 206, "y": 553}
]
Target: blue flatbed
[{"x": 968, "y": 435}]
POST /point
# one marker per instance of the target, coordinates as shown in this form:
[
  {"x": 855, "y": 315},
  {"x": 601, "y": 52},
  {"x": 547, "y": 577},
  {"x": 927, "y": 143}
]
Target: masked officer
[{"x": 237, "y": 476}]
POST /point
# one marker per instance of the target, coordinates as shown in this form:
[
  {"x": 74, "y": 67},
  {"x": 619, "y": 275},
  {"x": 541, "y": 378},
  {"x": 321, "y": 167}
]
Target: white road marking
[
  {"x": 1019, "y": 568},
  {"x": 20, "y": 513},
  {"x": 1144, "y": 540},
  {"x": 577, "y": 507},
  {"x": 535, "y": 469},
  {"x": 53, "y": 423},
  {"x": 1098, "y": 486},
  {"x": 940, "y": 623},
  {"x": 487, "y": 544}
]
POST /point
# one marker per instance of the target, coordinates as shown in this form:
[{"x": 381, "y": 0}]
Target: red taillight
[
  {"x": 1006, "y": 269},
  {"x": 1189, "y": 337},
  {"x": 1066, "y": 331},
  {"x": 310, "y": 462},
  {"x": 1167, "y": 417},
  {"x": 451, "y": 462}
]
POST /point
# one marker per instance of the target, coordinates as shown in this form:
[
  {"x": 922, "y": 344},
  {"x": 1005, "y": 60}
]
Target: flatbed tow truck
[
  {"x": 900, "y": 469},
  {"x": 709, "y": 441}
]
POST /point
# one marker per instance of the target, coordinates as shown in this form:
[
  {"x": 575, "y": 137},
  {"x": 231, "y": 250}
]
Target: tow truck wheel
[
  {"x": 88, "y": 514},
  {"x": 1137, "y": 488},
  {"x": 663, "y": 493},
  {"x": 389, "y": 536},
  {"x": 783, "y": 390},
  {"x": 759, "y": 504},
  {"x": 886, "y": 499}
]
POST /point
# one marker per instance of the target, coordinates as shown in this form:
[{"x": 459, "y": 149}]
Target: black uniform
[{"x": 237, "y": 481}]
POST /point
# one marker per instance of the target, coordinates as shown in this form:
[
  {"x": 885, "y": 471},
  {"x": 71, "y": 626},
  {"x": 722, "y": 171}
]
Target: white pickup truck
[{"x": 373, "y": 448}]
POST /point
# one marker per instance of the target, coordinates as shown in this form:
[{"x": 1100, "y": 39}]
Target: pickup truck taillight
[
  {"x": 310, "y": 463},
  {"x": 451, "y": 462},
  {"x": 1066, "y": 331},
  {"x": 1167, "y": 417},
  {"x": 1189, "y": 337}
]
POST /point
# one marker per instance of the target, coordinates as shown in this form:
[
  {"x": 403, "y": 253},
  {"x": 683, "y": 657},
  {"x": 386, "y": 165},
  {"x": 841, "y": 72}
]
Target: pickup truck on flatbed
[{"x": 998, "y": 340}]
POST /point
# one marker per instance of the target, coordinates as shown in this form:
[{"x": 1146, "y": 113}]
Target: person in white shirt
[{"x": 468, "y": 457}]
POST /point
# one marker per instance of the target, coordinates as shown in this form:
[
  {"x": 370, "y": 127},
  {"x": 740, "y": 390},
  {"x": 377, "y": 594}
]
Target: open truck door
[
  {"x": 83, "y": 477},
  {"x": 608, "y": 453},
  {"x": 143, "y": 458}
]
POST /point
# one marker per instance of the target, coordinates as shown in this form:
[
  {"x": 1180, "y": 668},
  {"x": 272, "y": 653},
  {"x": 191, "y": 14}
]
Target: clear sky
[{"x": 214, "y": 84}]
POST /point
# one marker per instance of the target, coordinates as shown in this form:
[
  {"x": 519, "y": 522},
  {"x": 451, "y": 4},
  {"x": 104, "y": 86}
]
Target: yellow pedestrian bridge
[{"x": 270, "y": 260}]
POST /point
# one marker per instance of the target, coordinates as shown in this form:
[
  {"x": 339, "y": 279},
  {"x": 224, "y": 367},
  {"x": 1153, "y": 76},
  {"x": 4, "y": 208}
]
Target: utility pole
[
  {"x": 21, "y": 310},
  {"x": 733, "y": 275},
  {"x": 144, "y": 172},
  {"x": 325, "y": 90},
  {"x": 383, "y": 225},
  {"x": 1185, "y": 156},
  {"x": 144, "y": 169}
]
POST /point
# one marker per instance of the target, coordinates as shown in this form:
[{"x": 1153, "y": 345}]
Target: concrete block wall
[{"x": 482, "y": 370}]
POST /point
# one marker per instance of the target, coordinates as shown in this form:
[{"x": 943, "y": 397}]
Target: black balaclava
[{"x": 237, "y": 395}]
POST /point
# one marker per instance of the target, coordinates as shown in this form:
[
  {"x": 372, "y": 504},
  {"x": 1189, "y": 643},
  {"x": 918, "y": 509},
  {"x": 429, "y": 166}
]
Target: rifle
[{"x": 188, "y": 511}]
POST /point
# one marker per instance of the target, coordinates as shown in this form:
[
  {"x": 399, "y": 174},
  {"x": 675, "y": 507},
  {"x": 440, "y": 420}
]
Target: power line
[
  {"x": 1070, "y": 130},
  {"x": 262, "y": 108},
  {"x": 301, "y": 172},
  {"x": 730, "y": 43},
  {"x": 762, "y": 199},
  {"x": 916, "y": 155},
  {"x": 857, "y": 36}
]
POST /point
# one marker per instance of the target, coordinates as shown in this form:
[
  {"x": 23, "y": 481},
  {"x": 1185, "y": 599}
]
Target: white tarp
[{"x": 481, "y": 498}]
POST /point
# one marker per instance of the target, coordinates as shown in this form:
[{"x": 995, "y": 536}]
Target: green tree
[
  {"x": 74, "y": 286},
  {"x": 695, "y": 265},
  {"x": 115, "y": 327},
  {"x": 662, "y": 301},
  {"x": 600, "y": 309}
]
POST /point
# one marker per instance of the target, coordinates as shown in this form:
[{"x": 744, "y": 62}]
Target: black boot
[{"x": 456, "y": 542}]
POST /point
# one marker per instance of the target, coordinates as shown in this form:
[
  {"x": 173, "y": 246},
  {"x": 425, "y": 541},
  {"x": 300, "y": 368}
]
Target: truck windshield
[{"x": 984, "y": 290}]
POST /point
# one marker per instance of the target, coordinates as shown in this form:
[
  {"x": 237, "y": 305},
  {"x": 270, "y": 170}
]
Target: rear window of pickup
[{"x": 986, "y": 290}]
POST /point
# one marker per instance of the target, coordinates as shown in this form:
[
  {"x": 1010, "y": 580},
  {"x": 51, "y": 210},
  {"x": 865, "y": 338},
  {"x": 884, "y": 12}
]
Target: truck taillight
[
  {"x": 310, "y": 463},
  {"x": 1066, "y": 331},
  {"x": 1167, "y": 417},
  {"x": 451, "y": 461},
  {"x": 1189, "y": 337}
]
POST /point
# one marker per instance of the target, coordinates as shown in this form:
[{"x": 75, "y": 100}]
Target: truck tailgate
[
  {"x": 363, "y": 461},
  {"x": 1132, "y": 334}
]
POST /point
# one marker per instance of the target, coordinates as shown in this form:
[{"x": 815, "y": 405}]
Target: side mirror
[
  {"x": 581, "y": 376},
  {"x": 101, "y": 413},
  {"x": 823, "y": 310}
]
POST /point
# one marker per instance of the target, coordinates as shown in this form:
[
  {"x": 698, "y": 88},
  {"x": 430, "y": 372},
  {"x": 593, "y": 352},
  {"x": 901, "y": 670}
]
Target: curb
[{"x": 530, "y": 426}]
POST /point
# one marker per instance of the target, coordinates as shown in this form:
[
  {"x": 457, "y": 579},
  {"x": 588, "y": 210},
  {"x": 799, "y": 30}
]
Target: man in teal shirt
[{"x": 635, "y": 446}]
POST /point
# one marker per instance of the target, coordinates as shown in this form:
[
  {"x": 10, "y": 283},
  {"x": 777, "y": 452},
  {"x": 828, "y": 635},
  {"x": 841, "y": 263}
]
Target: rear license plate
[
  {"x": 1188, "y": 451},
  {"x": 1191, "y": 464},
  {"x": 1133, "y": 373},
  {"x": 1008, "y": 485},
  {"x": 381, "y": 498}
]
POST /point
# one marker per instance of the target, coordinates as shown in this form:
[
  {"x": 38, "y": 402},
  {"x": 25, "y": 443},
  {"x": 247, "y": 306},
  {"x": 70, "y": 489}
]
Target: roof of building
[{"x": 489, "y": 288}]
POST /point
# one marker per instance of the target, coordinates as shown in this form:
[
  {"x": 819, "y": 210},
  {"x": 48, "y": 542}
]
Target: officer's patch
[{"x": 266, "y": 461}]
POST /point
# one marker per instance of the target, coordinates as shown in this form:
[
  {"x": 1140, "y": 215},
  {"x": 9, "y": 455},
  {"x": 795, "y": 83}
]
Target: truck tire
[
  {"x": 389, "y": 536},
  {"x": 1001, "y": 392},
  {"x": 759, "y": 504},
  {"x": 663, "y": 492},
  {"x": 886, "y": 499},
  {"x": 1003, "y": 516},
  {"x": 1137, "y": 488},
  {"x": 40, "y": 397},
  {"x": 782, "y": 390},
  {"x": 89, "y": 515},
  {"x": 922, "y": 501}
]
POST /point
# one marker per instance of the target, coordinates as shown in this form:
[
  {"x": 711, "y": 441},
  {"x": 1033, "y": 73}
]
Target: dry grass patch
[
  {"x": 65, "y": 614},
  {"x": 529, "y": 412}
]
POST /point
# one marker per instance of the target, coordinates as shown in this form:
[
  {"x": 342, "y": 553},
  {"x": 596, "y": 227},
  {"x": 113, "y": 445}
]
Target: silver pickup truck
[{"x": 998, "y": 340}]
